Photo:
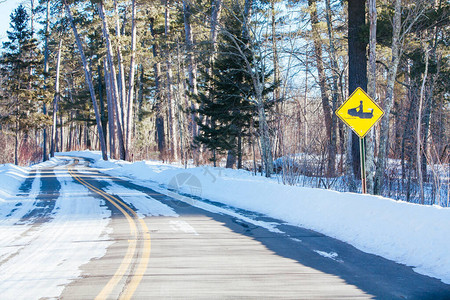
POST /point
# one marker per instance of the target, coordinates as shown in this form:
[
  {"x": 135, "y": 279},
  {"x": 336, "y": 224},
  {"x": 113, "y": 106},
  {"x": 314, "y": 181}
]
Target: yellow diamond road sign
[{"x": 360, "y": 112}]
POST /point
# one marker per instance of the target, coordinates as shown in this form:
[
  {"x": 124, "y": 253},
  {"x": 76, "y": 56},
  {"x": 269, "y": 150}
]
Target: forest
[{"x": 246, "y": 84}]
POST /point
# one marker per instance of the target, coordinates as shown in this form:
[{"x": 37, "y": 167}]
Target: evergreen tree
[
  {"x": 228, "y": 106},
  {"x": 20, "y": 64}
]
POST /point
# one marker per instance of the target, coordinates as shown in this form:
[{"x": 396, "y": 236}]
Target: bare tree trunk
[
  {"x": 173, "y": 138},
  {"x": 323, "y": 86},
  {"x": 372, "y": 88},
  {"x": 61, "y": 132},
  {"x": 130, "y": 101},
  {"x": 113, "y": 81},
  {"x": 121, "y": 82},
  {"x": 70, "y": 144},
  {"x": 110, "y": 104},
  {"x": 16, "y": 131},
  {"x": 181, "y": 83},
  {"x": 215, "y": 16},
  {"x": 140, "y": 96},
  {"x": 231, "y": 160},
  {"x": 276, "y": 79},
  {"x": 357, "y": 69},
  {"x": 32, "y": 16},
  {"x": 192, "y": 68},
  {"x": 46, "y": 69},
  {"x": 159, "y": 115},
  {"x": 419, "y": 130},
  {"x": 396, "y": 52},
  {"x": 88, "y": 79},
  {"x": 336, "y": 95},
  {"x": 257, "y": 76},
  {"x": 55, "y": 100},
  {"x": 102, "y": 102}
]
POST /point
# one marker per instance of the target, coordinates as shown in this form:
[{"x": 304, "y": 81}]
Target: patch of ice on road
[
  {"x": 330, "y": 255},
  {"x": 180, "y": 225}
]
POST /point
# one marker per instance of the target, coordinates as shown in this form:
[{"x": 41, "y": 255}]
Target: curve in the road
[{"x": 131, "y": 217}]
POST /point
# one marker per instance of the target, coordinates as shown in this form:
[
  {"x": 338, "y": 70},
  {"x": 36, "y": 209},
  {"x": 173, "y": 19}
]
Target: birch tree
[
  {"x": 130, "y": 96},
  {"x": 400, "y": 29},
  {"x": 372, "y": 88},
  {"x": 56, "y": 100}
]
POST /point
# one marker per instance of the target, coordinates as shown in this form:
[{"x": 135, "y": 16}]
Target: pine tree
[
  {"x": 20, "y": 65},
  {"x": 228, "y": 104}
]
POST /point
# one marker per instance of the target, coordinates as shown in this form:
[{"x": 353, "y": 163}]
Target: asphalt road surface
[{"x": 210, "y": 254}]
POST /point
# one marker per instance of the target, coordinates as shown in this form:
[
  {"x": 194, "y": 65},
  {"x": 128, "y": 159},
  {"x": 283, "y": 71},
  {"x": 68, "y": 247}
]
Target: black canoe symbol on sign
[{"x": 358, "y": 112}]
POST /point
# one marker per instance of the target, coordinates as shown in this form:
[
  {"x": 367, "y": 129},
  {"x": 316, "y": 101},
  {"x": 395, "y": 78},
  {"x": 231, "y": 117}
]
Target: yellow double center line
[{"x": 131, "y": 217}]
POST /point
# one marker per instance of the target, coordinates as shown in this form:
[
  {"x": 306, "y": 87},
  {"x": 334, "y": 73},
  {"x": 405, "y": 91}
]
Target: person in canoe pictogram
[{"x": 358, "y": 112}]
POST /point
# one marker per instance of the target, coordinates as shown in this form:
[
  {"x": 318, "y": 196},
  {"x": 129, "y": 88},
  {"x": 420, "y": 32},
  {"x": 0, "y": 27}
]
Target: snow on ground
[
  {"x": 11, "y": 177},
  {"x": 144, "y": 204},
  {"x": 407, "y": 233}
]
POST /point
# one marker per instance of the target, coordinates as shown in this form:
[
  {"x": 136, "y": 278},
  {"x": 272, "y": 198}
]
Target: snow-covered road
[
  {"x": 73, "y": 232},
  {"x": 53, "y": 229}
]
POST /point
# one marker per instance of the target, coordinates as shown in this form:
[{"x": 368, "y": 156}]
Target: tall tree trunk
[
  {"x": 61, "y": 132},
  {"x": 113, "y": 80},
  {"x": 372, "y": 89},
  {"x": 323, "y": 85},
  {"x": 257, "y": 76},
  {"x": 181, "y": 83},
  {"x": 46, "y": 69},
  {"x": 192, "y": 67},
  {"x": 396, "y": 52},
  {"x": 336, "y": 99},
  {"x": 140, "y": 97},
  {"x": 419, "y": 131},
  {"x": 32, "y": 16},
  {"x": 16, "y": 131},
  {"x": 170, "y": 101},
  {"x": 159, "y": 115},
  {"x": 55, "y": 101},
  {"x": 129, "y": 102},
  {"x": 110, "y": 104},
  {"x": 216, "y": 11},
  {"x": 357, "y": 66},
  {"x": 121, "y": 101},
  {"x": 88, "y": 79},
  {"x": 231, "y": 159},
  {"x": 431, "y": 101},
  {"x": 239, "y": 151},
  {"x": 276, "y": 79}
]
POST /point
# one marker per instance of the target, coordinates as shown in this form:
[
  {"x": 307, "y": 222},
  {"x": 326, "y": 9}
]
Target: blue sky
[{"x": 6, "y": 9}]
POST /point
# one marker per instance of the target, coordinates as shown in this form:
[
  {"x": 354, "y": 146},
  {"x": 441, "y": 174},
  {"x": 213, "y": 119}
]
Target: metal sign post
[
  {"x": 362, "y": 151},
  {"x": 360, "y": 113}
]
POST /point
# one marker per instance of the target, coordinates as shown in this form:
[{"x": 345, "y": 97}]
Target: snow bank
[
  {"x": 11, "y": 177},
  {"x": 407, "y": 233}
]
